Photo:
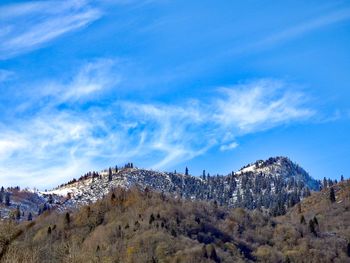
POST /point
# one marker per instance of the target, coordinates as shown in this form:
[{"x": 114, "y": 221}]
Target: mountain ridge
[{"x": 271, "y": 184}]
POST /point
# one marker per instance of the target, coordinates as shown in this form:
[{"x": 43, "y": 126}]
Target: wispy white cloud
[
  {"x": 173, "y": 131},
  {"x": 260, "y": 105},
  {"x": 48, "y": 142},
  {"x": 227, "y": 147},
  {"x": 93, "y": 78},
  {"x": 182, "y": 132},
  {"x": 57, "y": 143},
  {"x": 87, "y": 83},
  {"x": 9, "y": 143},
  {"x": 31, "y": 25}
]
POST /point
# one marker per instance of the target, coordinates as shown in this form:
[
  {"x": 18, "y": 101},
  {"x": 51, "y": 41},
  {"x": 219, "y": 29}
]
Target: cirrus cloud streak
[
  {"x": 28, "y": 26},
  {"x": 56, "y": 143}
]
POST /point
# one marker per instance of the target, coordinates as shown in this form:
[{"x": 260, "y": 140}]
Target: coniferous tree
[
  {"x": 302, "y": 220},
  {"x": 332, "y": 195},
  {"x": 50, "y": 199},
  {"x": 278, "y": 209},
  {"x": 151, "y": 219},
  {"x": 67, "y": 219},
  {"x": 18, "y": 213},
  {"x": 307, "y": 192},
  {"x": 30, "y": 217},
  {"x": 1, "y": 197},
  {"x": 342, "y": 178},
  {"x": 110, "y": 174},
  {"x": 312, "y": 227},
  {"x": 45, "y": 207},
  {"x": 7, "y": 199},
  {"x": 186, "y": 171}
]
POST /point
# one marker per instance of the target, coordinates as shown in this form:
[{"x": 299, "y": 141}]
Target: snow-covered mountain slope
[
  {"x": 260, "y": 184},
  {"x": 271, "y": 184},
  {"x": 93, "y": 188},
  {"x": 18, "y": 204},
  {"x": 280, "y": 166}
]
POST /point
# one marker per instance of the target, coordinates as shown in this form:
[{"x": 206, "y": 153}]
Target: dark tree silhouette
[
  {"x": 50, "y": 199},
  {"x": 30, "y": 217},
  {"x": 7, "y": 199},
  {"x": 312, "y": 227},
  {"x": 186, "y": 171},
  {"x": 110, "y": 174},
  {"x": 67, "y": 218},
  {"x": 332, "y": 195},
  {"x": 151, "y": 219}
]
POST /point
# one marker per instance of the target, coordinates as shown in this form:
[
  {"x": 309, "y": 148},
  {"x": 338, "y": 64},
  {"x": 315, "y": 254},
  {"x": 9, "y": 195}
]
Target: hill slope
[{"x": 143, "y": 226}]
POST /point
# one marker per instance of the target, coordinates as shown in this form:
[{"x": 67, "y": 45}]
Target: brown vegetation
[{"x": 143, "y": 226}]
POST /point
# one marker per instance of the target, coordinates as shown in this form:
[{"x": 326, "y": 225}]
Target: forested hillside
[{"x": 146, "y": 226}]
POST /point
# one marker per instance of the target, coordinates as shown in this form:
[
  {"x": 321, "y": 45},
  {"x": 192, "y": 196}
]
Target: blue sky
[{"x": 210, "y": 85}]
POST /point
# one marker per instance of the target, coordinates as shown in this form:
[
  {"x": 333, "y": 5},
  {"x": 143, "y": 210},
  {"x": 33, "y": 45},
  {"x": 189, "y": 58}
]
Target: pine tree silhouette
[{"x": 332, "y": 195}]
